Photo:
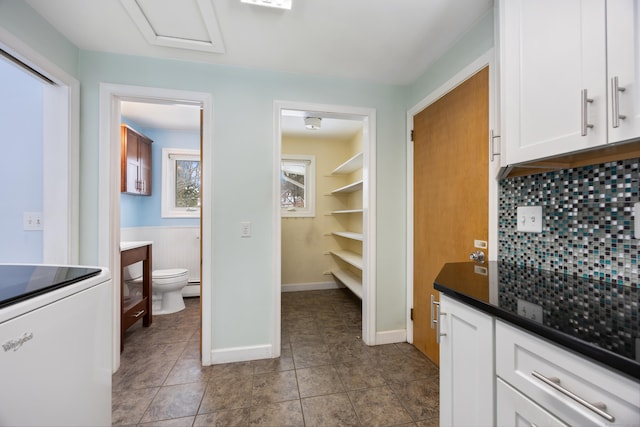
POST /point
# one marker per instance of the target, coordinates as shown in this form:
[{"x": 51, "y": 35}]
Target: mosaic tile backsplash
[{"x": 587, "y": 221}]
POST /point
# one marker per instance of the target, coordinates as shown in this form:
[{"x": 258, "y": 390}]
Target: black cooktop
[
  {"x": 595, "y": 318},
  {"x": 21, "y": 282}
]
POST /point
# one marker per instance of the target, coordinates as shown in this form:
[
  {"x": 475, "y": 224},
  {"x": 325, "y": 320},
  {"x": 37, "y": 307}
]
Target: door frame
[
  {"x": 368, "y": 116},
  {"x": 487, "y": 59},
  {"x": 109, "y": 194},
  {"x": 61, "y": 153}
]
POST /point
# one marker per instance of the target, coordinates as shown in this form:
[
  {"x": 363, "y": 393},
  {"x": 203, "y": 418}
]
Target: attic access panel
[{"x": 181, "y": 24}]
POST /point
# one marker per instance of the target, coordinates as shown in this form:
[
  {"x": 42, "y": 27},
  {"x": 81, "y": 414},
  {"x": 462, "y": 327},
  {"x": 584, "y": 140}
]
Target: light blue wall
[
  {"x": 243, "y": 102},
  {"x": 19, "y": 19},
  {"x": 145, "y": 211},
  {"x": 476, "y": 42},
  {"x": 21, "y": 98},
  {"x": 242, "y": 144}
]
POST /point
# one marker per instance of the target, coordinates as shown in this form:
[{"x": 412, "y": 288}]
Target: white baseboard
[
  {"x": 242, "y": 354},
  {"x": 390, "y": 337},
  {"x": 314, "y": 286}
]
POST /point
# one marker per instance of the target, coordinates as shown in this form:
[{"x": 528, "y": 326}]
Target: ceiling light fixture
[
  {"x": 312, "y": 123},
  {"x": 278, "y": 4}
]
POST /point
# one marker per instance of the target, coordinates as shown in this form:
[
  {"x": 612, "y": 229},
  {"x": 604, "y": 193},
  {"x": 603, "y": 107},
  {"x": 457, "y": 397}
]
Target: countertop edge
[{"x": 597, "y": 354}]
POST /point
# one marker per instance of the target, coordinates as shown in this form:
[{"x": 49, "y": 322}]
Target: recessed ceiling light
[{"x": 278, "y": 4}]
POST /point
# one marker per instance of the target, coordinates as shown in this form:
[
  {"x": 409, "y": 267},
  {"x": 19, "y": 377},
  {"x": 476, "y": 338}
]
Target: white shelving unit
[
  {"x": 351, "y": 261},
  {"x": 349, "y": 166},
  {"x": 346, "y": 211},
  {"x": 349, "y": 257},
  {"x": 350, "y": 280},
  {"x": 349, "y": 188},
  {"x": 349, "y": 235}
]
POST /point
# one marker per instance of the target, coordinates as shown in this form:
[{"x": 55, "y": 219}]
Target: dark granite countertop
[{"x": 596, "y": 319}]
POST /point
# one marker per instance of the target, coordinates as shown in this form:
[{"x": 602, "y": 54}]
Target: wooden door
[{"x": 450, "y": 191}]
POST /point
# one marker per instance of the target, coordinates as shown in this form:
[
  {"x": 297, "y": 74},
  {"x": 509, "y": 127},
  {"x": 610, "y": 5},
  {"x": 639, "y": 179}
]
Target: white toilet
[{"x": 166, "y": 287}]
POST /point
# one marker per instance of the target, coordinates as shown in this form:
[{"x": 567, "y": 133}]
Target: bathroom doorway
[
  {"x": 109, "y": 215},
  {"x": 325, "y": 179}
]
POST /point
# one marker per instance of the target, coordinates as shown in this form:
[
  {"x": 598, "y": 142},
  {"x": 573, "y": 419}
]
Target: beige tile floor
[{"x": 325, "y": 376}]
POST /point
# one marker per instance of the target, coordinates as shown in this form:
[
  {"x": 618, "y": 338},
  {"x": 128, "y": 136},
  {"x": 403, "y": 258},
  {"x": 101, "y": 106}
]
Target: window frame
[
  {"x": 310, "y": 186},
  {"x": 169, "y": 158}
]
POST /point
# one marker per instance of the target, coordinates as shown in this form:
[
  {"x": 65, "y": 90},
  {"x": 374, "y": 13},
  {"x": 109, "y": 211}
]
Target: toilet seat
[{"x": 169, "y": 273}]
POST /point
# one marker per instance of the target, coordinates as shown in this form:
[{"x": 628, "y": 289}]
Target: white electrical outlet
[
  {"x": 530, "y": 219},
  {"x": 32, "y": 221},
  {"x": 636, "y": 219},
  {"x": 530, "y": 310}
]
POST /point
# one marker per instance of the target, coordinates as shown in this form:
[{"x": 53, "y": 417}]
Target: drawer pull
[
  {"x": 138, "y": 314},
  {"x": 598, "y": 407}
]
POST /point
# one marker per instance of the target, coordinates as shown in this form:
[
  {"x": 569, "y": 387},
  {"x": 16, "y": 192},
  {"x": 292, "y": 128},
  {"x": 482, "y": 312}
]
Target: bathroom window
[
  {"x": 297, "y": 186},
  {"x": 181, "y": 178}
]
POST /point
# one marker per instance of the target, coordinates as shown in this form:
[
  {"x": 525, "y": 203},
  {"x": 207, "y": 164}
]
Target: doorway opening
[
  {"x": 114, "y": 99},
  {"x": 325, "y": 209}
]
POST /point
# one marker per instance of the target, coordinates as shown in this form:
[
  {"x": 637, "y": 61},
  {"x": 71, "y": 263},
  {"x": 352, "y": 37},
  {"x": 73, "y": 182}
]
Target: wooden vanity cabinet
[{"x": 135, "y": 164}]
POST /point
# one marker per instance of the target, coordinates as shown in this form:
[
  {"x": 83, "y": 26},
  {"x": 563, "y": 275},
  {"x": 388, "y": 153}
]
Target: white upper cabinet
[
  {"x": 623, "y": 56},
  {"x": 555, "y": 91}
]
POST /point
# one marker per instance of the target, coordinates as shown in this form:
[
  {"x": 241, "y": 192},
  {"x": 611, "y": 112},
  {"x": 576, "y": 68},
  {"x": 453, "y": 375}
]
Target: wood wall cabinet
[
  {"x": 349, "y": 257},
  {"x": 569, "y": 75},
  {"x": 135, "y": 152}
]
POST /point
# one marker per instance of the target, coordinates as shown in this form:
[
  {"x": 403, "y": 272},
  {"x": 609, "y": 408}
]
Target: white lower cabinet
[
  {"x": 493, "y": 373},
  {"x": 467, "y": 376},
  {"x": 515, "y": 409},
  {"x": 568, "y": 386}
]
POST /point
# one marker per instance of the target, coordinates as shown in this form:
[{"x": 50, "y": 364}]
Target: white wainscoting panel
[{"x": 173, "y": 247}]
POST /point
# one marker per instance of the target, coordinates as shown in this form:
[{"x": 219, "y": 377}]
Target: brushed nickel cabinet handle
[
  {"x": 438, "y": 314},
  {"x": 615, "y": 103},
  {"x": 431, "y": 315},
  {"x": 492, "y": 139},
  {"x": 597, "y": 407},
  {"x": 138, "y": 314},
  {"x": 584, "y": 104}
]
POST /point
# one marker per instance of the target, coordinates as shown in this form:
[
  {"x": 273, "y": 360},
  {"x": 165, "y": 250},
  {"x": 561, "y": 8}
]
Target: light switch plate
[
  {"x": 245, "y": 229},
  {"x": 530, "y": 219}
]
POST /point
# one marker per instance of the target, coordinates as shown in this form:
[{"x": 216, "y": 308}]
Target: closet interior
[{"x": 325, "y": 250}]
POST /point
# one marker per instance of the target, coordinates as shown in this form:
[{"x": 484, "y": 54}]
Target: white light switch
[
  {"x": 32, "y": 221},
  {"x": 245, "y": 229},
  {"x": 636, "y": 220},
  {"x": 530, "y": 219}
]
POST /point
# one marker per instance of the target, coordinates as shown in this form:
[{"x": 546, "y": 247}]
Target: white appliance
[{"x": 55, "y": 345}]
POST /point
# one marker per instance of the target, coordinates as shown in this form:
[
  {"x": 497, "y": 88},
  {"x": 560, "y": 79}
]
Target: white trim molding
[
  {"x": 61, "y": 158},
  {"x": 487, "y": 59},
  {"x": 242, "y": 354},
  {"x": 368, "y": 118},
  {"x": 312, "y": 286},
  {"x": 109, "y": 193},
  {"x": 391, "y": 337}
]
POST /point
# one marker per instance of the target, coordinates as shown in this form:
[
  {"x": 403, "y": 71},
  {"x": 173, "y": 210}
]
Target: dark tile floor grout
[{"x": 325, "y": 375}]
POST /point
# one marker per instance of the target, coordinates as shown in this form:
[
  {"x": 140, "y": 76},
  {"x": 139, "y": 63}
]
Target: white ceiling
[{"x": 383, "y": 41}]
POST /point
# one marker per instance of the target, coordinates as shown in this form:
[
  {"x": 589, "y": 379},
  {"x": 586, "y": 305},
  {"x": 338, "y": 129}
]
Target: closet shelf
[
  {"x": 346, "y": 211},
  {"x": 349, "y": 166},
  {"x": 354, "y": 186},
  {"x": 349, "y": 257},
  {"x": 348, "y": 235},
  {"x": 350, "y": 280}
]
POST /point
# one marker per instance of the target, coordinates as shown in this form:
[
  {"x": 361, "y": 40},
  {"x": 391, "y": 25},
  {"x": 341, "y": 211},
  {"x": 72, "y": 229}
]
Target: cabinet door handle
[
  {"x": 584, "y": 104},
  {"x": 431, "y": 316},
  {"x": 138, "y": 314},
  {"x": 438, "y": 314},
  {"x": 598, "y": 407},
  {"x": 492, "y": 138},
  {"x": 615, "y": 103}
]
